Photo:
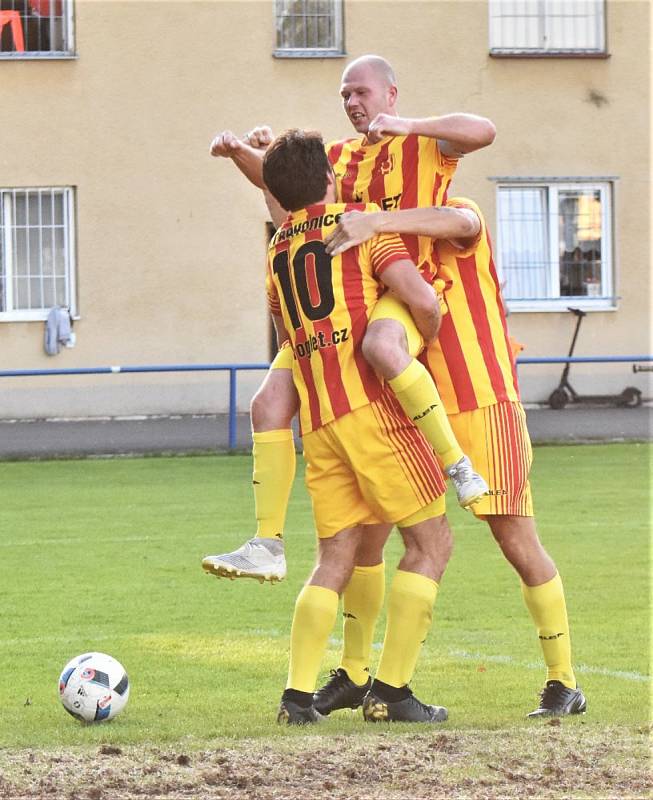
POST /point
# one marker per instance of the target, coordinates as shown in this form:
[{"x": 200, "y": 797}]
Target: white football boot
[
  {"x": 258, "y": 558},
  {"x": 470, "y": 487}
]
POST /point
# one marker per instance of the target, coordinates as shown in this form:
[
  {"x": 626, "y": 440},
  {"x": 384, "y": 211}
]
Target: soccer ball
[{"x": 94, "y": 687}]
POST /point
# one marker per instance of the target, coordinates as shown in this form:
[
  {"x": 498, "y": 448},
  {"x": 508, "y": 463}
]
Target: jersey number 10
[{"x": 316, "y": 253}]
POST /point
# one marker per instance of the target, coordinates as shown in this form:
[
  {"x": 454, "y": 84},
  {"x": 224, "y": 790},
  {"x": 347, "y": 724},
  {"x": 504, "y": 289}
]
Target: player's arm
[
  {"x": 280, "y": 328},
  {"x": 246, "y": 153},
  {"x": 403, "y": 279},
  {"x": 457, "y": 134},
  {"x": 459, "y": 225}
]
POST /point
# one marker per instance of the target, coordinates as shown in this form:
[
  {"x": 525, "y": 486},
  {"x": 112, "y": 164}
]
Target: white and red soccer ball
[{"x": 94, "y": 687}]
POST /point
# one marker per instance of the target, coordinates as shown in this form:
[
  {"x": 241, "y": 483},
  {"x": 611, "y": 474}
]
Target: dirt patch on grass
[{"x": 549, "y": 761}]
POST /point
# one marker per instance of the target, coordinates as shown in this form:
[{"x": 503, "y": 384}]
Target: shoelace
[
  {"x": 462, "y": 473},
  {"x": 336, "y": 680},
  {"x": 553, "y": 691}
]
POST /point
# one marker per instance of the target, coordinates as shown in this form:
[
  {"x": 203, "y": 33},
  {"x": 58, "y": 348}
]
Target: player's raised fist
[
  {"x": 224, "y": 145},
  {"x": 260, "y": 137},
  {"x": 386, "y": 125}
]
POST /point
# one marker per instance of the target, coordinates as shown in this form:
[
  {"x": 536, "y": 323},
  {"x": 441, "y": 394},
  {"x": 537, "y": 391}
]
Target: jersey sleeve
[
  {"x": 448, "y": 164},
  {"x": 274, "y": 303},
  {"x": 385, "y": 249},
  {"x": 463, "y": 202}
]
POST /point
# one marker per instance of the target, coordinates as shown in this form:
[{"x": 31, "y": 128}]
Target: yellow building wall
[{"x": 171, "y": 243}]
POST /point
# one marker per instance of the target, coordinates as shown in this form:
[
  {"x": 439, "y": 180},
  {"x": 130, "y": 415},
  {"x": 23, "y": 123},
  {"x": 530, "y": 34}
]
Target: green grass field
[{"x": 105, "y": 555}]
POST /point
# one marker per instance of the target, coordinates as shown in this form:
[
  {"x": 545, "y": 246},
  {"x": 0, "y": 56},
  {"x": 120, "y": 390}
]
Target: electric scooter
[{"x": 565, "y": 393}]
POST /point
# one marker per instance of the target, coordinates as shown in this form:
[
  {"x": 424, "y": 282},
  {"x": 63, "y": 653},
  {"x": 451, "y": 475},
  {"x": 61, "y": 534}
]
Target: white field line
[
  {"x": 582, "y": 668},
  {"x": 510, "y": 661},
  {"x": 83, "y": 540}
]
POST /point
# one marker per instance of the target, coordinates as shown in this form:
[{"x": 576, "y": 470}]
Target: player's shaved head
[
  {"x": 368, "y": 88},
  {"x": 376, "y": 64}
]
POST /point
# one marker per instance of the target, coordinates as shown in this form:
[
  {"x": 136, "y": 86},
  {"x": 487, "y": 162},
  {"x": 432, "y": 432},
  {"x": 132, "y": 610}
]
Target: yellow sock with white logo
[
  {"x": 410, "y": 611},
  {"x": 417, "y": 395},
  {"x": 316, "y": 609},
  {"x": 547, "y": 607},
  {"x": 362, "y": 602},
  {"x": 274, "y": 472}
]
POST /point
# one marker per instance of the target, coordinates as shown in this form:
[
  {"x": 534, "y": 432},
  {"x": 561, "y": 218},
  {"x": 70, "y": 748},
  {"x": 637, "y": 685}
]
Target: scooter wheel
[
  {"x": 630, "y": 397},
  {"x": 558, "y": 399}
]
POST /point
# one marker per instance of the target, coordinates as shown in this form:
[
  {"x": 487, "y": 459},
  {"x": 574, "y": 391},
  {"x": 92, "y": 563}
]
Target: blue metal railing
[
  {"x": 233, "y": 370},
  {"x": 583, "y": 359}
]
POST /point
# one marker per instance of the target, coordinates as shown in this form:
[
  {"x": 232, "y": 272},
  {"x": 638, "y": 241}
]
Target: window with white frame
[
  {"x": 554, "y": 244},
  {"x": 37, "y": 268},
  {"x": 36, "y": 29},
  {"x": 547, "y": 27},
  {"x": 309, "y": 28}
]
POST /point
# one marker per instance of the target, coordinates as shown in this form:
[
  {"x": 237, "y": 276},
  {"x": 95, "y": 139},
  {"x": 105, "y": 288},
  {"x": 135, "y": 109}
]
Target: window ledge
[
  {"x": 308, "y": 53},
  {"x": 518, "y": 53},
  {"x": 562, "y": 304},
  {"x": 38, "y": 56},
  {"x": 28, "y": 316}
]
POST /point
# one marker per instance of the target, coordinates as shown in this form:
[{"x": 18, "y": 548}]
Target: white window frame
[
  {"x": 9, "y": 247},
  {"x": 337, "y": 51},
  {"x": 546, "y": 12},
  {"x": 44, "y": 55},
  {"x": 607, "y": 301}
]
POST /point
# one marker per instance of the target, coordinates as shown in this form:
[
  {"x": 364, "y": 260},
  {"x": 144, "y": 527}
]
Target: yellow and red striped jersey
[
  {"x": 471, "y": 360},
  {"x": 326, "y": 302},
  {"x": 397, "y": 172}
]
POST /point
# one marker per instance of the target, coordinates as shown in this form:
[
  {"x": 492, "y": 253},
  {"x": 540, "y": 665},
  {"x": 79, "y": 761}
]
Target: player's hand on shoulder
[
  {"x": 225, "y": 145},
  {"x": 386, "y": 125},
  {"x": 355, "y": 227},
  {"x": 259, "y": 137}
]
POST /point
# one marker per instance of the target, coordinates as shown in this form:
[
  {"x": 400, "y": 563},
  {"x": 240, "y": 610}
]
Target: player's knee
[
  {"x": 385, "y": 347},
  {"x": 333, "y": 573},
  {"x": 429, "y": 548},
  {"x": 272, "y": 408}
]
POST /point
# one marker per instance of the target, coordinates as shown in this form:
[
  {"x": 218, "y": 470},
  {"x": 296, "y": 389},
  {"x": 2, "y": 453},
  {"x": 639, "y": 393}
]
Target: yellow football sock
[
  {"x": 316, "y": 609},
  {"x": 546, "y": 604},
  {"x": 274, "y": 471},
  {"x": 410, "y": 611},
  {"x": 362, "y": 601},
  {"x": 417, "y": 395}
]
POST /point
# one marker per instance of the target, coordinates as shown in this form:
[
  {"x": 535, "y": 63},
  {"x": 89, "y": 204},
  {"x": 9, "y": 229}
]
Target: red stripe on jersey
[
  {"x": 409, "y": 179},
  {"x": 409, "y": 162},
  {"x": 334, "y": 152},
  {"x": 499, "y": 300},
  {"x": 309, "y": 382},
  {"x": 352, "y": 285},
  {"x": 376, "y": 187},
  {"x": 351, "y": 175},
  {"x": 460, "y": 377},
  {"x": 331, "y": 370},
  {"x": 446, "y": 192},
  {"x": 478, "y": 311},
  {"x": 436, "y": 188}
]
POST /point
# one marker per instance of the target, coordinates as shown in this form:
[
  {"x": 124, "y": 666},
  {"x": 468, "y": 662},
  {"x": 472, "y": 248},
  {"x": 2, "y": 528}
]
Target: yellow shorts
[
  {"x": 369, "y": 466},
  {"x": 496, "y": 440},
  {"x": 284, "y": 358}
]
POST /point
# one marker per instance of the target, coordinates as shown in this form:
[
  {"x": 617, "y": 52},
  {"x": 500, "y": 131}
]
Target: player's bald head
[{"x": 370, "y": 64}]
